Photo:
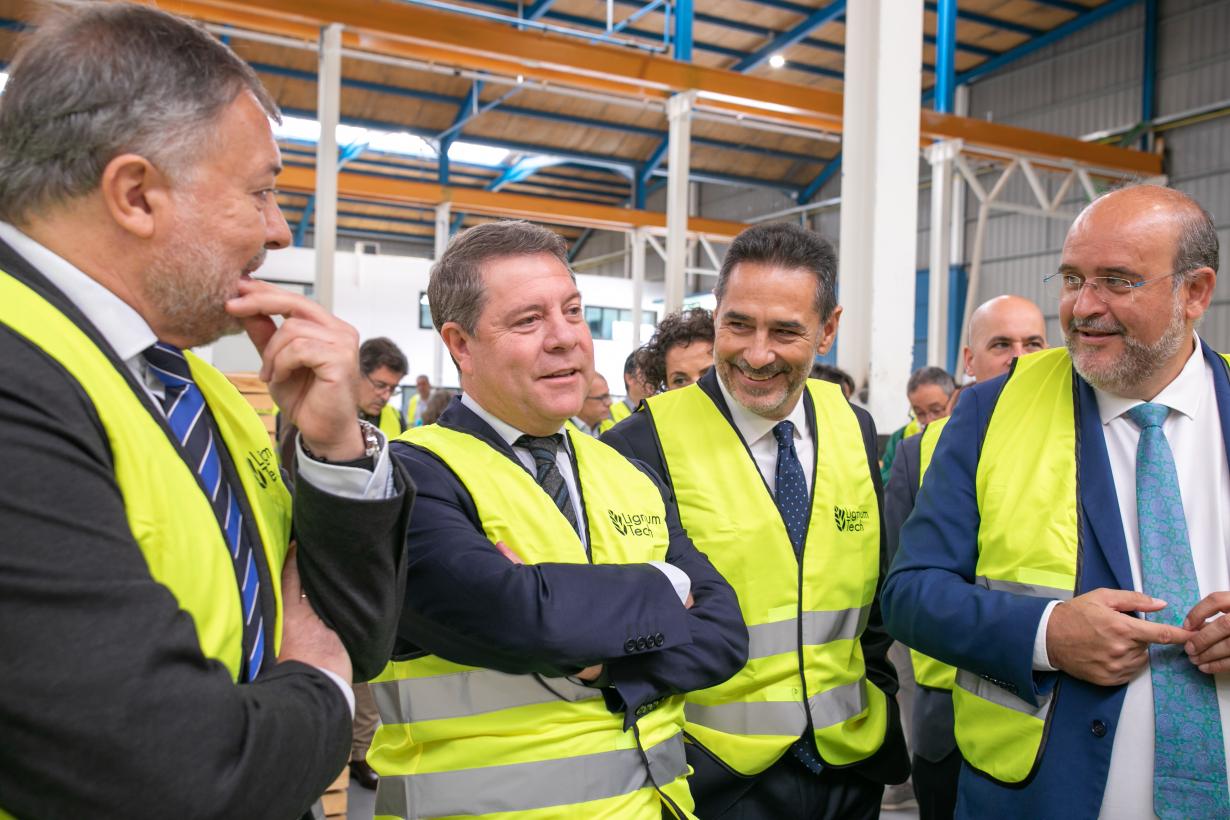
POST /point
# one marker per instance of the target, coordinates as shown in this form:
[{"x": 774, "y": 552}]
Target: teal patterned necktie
[{"x": 1189, "y": 759}]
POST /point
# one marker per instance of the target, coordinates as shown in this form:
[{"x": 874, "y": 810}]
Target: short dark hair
[
  {"x": 829, "y": 373},
  {"x": 931, "y": 375},
  {"x": 382, "y": 352},
  {"x": 788, "y": 246},
  {"x": 96, "y": 81},
  {"x": 679, "y": 328},
  {"x": 456, "y": 292}
]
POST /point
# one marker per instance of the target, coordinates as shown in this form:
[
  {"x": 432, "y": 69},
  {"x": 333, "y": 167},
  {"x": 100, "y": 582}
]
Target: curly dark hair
[{"x": 681, "y": 328}]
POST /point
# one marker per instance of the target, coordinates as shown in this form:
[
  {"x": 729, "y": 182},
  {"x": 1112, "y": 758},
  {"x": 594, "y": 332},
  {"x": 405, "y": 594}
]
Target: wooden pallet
[
  {"x": 334, "y": 800},
  {"x": 257, "y": 394}
]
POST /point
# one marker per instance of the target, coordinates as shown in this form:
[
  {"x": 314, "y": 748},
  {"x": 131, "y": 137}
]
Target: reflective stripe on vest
[
  {"x": 390, "y": 422},
  {"x": 1028, "y": 544},
  {"x": 927, "y": 670},
  {"x": 524, "y": 787},
  {"x": 167, "y": 510},
  {"x": 809, "y": 620},
  {"x": 459, "y": 740}
]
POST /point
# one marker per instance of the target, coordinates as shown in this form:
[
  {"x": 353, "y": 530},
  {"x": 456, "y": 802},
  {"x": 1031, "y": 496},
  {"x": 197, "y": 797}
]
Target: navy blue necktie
[
  {"x": 192, "y": 425},
  {"x": 794, "y": 503},
  {"x": 546, "y": 471}
]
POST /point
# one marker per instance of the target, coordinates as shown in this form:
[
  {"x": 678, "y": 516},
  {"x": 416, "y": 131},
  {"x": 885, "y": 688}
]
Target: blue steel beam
[
  {"x": 520, "y": 171},
  {"x": 971, "y": 16},
  {"x": 945, "y": 56},
  {"x": 683, "y": 31},
  {"x": 1042, "y": 41},
  {"x": 538, "y": 8},
  {"x": 579, "y": 243},
  {"x": 817, "y": 19},
  {"x": 1148, "y": 81},
  {"x": 344, "y": 155},
  {"x": 812, "y": 188}
]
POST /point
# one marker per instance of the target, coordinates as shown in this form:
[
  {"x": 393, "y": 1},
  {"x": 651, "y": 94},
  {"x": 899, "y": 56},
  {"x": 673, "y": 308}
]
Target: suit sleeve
[
  {"x": 352, "y": 560},
  {"x": 930, "y": 599},
  {"x": 469, "y": 604},
  {"x": 899, "y": 495},
  {"x": 719, "y": 636},
  {"x": 109, "y": 707}
]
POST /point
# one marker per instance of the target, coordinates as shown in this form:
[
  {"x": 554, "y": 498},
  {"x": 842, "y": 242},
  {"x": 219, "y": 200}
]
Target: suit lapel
[
  {"x": 1221, "y": 388},
  {"x": 1099, "y": 504}
]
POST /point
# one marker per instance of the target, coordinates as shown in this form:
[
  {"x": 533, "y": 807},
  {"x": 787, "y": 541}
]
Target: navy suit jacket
[
  {"x": 636, "y": 438},
  {"x": 469, "y": 604},
  {"x": 931, "y": 604}
]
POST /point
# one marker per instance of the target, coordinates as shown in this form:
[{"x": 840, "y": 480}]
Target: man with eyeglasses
[
  {"x": 595, "y": 416},
  {"x": 1071, "y": 536}
]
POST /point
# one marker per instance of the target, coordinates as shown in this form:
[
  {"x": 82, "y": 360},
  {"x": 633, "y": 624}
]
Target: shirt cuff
[
  {"x": 1042, "y": 662},
  {"x": 349, "y": 482},
  {"x": 347, "y": 691},
  {"x": 678, "y": 578}
]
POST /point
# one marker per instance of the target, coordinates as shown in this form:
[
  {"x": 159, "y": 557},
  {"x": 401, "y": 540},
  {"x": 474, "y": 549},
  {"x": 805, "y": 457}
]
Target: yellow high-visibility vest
[
  {"x": 390, "y": 421},
  {"x": 171, "y": 518},
  {"x": 807, "y": 619},
  {"x": 927, "y": 670},
  {"x": 460, "y": 740},
  {"x": 619, "y": 411}
]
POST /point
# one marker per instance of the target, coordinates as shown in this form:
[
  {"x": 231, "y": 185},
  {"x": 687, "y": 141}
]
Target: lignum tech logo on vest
[
  {"x": 638, "y": 524},
  {"x": 850, "y": 519}
]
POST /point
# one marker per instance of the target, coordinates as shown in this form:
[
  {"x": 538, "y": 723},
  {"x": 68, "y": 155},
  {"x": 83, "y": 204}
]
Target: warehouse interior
[{"x": 943, "y": 146}]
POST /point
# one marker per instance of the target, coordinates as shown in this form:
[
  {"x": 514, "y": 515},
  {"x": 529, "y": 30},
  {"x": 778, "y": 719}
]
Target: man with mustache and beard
[
  {"x": 555, "y": 609},
  {"x": 160, "y": 659},
  {"x": 1070, "y": 540},
  {"x": 777, "y": 482}
]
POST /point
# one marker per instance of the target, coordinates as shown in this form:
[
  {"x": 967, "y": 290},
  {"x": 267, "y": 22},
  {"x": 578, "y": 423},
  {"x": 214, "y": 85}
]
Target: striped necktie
[
  {"x": 192, "y": 424},
  {"x": 1189, "y": 759},
  {"x": 546, "y": 471}
]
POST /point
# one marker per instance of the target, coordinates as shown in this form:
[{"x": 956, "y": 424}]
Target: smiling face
[
  {"x": 1132, "y": 344},
  {"x": 530, "y": 359},
  {"x": 224, "y": 216},
  {"x": 767, "y": 334}
]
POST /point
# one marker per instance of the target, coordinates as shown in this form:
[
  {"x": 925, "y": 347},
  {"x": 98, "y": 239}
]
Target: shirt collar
[
  {"x": 1182, "y": 395},
  {"x": 116, "y": 321},
  {"x": 754, "y": 427},
  {"x": 503, "y": 429}
]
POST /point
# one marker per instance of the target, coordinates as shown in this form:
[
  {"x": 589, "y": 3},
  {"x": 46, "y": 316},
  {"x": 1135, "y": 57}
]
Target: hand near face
[
  {"x": 311, "y": 364},
  {"x": 1209, "y": 647},
  {"x": 1092, "y": 638}
]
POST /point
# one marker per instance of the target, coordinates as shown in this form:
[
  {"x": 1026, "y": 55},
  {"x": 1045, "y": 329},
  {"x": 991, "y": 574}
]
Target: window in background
[{"x": 424, "y": 311}]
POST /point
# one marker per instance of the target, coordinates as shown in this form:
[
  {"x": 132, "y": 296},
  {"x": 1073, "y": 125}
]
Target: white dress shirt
[
  {"x": 757, "y": 432},
  {"x": 679, "y": 579},
  {"x": 1193, "y": 429}
]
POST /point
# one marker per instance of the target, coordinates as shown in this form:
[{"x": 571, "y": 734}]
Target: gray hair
[
  {"x": 790, "y": 247},
  {"x": 100, "y": 80},
  {"x": 1198, "y": 245},
  {"x": 456, "y": 291},
  {"x": 937, "y": 376}
]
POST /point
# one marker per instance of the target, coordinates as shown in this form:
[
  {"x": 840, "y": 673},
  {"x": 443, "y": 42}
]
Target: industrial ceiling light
[{"x": 777, "y": 61}]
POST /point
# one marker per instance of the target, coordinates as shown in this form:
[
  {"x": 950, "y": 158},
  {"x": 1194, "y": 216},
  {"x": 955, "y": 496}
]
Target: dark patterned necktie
[
  {"x": 191, "y": 423},
  {"x": 794, "y": 503},
  {"x": 546, "y": 471}
]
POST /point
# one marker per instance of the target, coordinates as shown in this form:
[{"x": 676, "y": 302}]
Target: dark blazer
[
  {"x": 108, "y": 708},
  {"x": 469, "y": 604},
  {"x": 636, "y": 438},
  {"x": 930, "y": 603}
]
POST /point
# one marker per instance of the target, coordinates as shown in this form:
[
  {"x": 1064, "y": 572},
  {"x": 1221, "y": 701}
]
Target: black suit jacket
[
  {"x": 636, "y": 438},
  {"x": 108, "y": 708},
  {"x": 469, "y": 604}
]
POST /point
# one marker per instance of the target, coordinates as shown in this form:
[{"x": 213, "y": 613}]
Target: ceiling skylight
[{"x": 302, "y": 129}]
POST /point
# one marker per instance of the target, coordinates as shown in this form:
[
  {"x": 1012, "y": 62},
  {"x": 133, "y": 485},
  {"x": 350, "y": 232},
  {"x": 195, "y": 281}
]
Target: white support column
[
  {"x": 443, "y": 216},
  {"x": 328, "y": 110},
  {"x": 637, "y": 251},
  {"x": 678, "y": 157},
  {"x": 879, "y": 210},
  {"x": 941, "y": 156}
]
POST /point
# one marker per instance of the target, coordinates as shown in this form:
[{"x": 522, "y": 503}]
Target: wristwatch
[{"x": 371, "y": 446}]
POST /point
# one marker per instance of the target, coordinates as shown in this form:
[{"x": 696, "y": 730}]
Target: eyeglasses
[
  {"x": 603, "y": 397},
  {"x": 379, "y": 386},
  {"x": 1106, "y": 288}
]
